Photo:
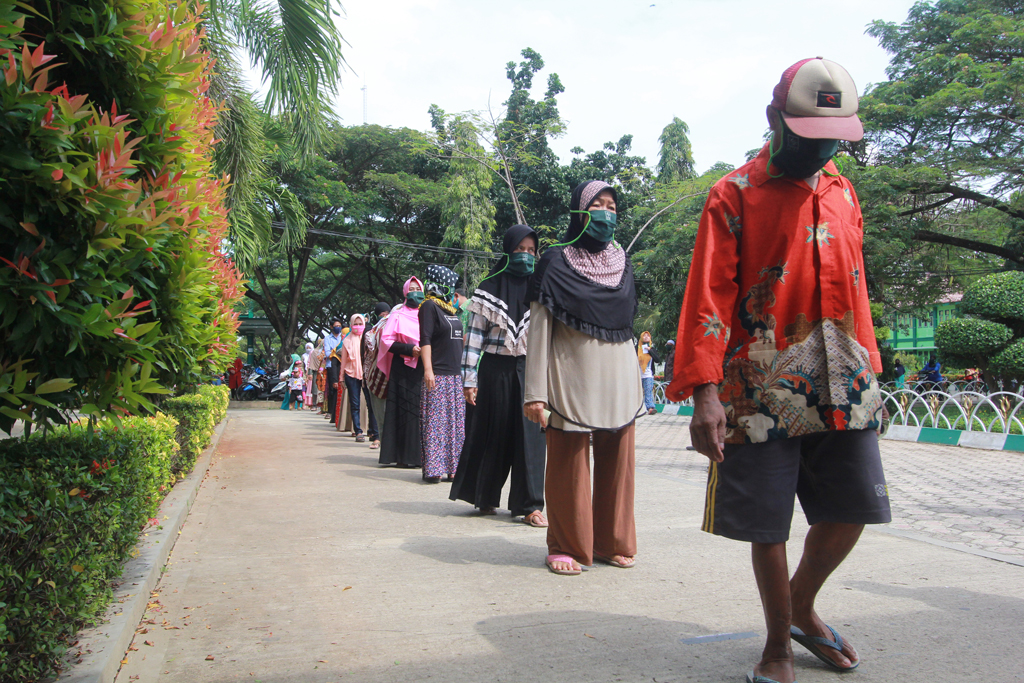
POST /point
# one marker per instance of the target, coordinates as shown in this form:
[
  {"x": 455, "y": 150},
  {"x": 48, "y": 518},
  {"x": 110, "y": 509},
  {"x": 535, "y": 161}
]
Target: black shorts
[{"x": 837, "y": 475}]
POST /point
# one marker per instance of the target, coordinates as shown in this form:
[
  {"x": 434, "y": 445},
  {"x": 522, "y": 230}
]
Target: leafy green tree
[
  {"x": 373, "y": 200},
  {"x": 675, "y": 159},
  {"x": 946, "y": 131},
  {"x": 468, "y": 214},
  {"x": 297, "y": 49}
]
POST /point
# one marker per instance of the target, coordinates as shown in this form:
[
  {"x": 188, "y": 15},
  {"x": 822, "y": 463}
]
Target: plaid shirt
[{"x": 482, "y": 336}]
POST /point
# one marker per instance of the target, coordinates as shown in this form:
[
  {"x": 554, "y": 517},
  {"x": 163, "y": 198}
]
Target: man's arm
[
  {"x": 712, "y": 288},
  {"x": 865, "y": 326}
]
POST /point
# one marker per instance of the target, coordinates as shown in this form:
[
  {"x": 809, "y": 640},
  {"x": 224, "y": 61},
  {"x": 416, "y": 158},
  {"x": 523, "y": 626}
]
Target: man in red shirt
[{"x": 777, "y": 347}]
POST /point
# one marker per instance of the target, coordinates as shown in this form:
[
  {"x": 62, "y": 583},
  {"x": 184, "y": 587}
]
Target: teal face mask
[
  {"x": 520, "y": 264},
  {"x": 414, "y": 299},
  {"x": 601, "y": 225}
]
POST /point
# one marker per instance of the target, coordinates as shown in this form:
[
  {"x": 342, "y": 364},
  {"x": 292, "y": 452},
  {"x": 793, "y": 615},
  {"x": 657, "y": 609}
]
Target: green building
[{"x": 910, "y": 333}]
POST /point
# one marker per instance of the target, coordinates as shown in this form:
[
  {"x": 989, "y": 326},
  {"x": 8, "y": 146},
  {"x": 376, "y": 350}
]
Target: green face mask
[
  {"x": 414, "y": 299},
  {"x": 520, "y": 264},
  {"x": 601, "y": 225}
]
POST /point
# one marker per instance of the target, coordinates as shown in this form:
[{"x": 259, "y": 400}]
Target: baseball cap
[{"x": 818, "y": 100}]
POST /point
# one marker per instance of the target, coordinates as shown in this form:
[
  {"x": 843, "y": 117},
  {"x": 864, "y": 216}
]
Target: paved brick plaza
[{"x": 963, "y": 496}]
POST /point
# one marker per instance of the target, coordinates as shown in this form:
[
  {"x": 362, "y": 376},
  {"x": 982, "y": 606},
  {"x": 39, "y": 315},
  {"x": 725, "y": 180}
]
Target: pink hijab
[{"x": 403, "y": 326}]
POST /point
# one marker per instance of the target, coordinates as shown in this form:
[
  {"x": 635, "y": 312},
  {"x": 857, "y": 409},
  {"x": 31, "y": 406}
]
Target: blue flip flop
[
  {"x": 812, "y": 643},
  {"x": 753, "y": 678}
]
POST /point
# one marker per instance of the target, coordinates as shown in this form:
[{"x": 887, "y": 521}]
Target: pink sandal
[{"x": 551, "y": 559}]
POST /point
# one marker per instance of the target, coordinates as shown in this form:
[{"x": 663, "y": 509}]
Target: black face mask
[{"x": 802, "y": 157}]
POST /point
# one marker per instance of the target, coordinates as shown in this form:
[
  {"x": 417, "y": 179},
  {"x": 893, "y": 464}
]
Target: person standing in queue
[
  {"x": 500, "y": 439},
  {"x": 399, "y": 359},
  {"x": 352, "y": 369},
  {"x": 333, "y": 367},
  {"x": 375, "y": 382},
  {"x": 582, "y": 368},
  {"x": 442, "y": 407},
  {"x": 778, "y": 350}
]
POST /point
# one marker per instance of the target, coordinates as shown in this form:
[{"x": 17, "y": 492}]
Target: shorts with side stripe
[{"x": 837, "y": 475}]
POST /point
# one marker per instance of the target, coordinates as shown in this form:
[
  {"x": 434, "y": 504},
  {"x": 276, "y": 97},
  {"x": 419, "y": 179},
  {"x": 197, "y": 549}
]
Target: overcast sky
[{"x": 627, "y": 66}]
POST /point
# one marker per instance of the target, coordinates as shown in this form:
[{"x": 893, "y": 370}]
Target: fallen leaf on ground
[
  {"x": 589, "y": 636},
  {"x": 148, "y": 642},
  {"x": 209, "y": 658},
  {"x": 346, "y": 588}
]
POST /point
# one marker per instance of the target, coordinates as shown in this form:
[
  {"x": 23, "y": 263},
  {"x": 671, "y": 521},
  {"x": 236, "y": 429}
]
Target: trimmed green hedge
[
  {"x": 197, "y": 415},
  {"x": 970, "y": 342},
  {"x": 1009, "y": 363},
  {"x": 71, "y": 508},
  {"x": 997, "y": 297},
  {"x": 72, "y": 505}
]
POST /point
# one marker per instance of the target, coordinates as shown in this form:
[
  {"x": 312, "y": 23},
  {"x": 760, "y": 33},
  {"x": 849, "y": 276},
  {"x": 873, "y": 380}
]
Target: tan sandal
[
  {"x": 537, "y": 519},
  {"x": 625, "y": 563}
]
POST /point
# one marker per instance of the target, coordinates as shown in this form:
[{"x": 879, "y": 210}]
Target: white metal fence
[{"x": 958, "y": 405}]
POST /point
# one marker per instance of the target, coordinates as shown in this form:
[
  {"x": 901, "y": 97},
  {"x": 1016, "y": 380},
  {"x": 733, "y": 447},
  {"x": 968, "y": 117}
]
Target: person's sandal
[
  {"x": 615, "y": 563},
  {"x": 536, "y": 518},
  {"x": 375, "y": 443},
  {"x": 360, "y": 438},
  {"x": 550, "y": 562}
]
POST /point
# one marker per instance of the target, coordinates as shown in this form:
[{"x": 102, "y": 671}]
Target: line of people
[{"x": 776, "y": 346}]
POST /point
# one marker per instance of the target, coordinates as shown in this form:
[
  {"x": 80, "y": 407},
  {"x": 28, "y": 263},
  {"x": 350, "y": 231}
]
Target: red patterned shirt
[{"x": 776, "y": 308}]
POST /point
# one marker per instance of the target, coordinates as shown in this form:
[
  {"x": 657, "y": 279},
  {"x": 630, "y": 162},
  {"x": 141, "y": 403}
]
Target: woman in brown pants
[{"x": 583, "y": 382}]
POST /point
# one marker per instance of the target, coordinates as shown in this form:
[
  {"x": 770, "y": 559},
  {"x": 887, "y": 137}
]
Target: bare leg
[
  {"x": 771, "y": 571},
  {"x": 826, "y": 546}
]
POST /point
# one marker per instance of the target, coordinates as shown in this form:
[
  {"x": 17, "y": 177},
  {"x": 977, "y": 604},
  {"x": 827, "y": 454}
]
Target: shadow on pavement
[
  {"x": 493, "y": 550},
  {"x": 561, "y": 647},
  {"x": 440, "y": 508}
]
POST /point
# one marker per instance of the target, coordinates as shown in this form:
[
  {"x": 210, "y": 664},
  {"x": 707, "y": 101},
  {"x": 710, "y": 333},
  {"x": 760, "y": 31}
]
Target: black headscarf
[
  {"x": 604, "y": 313},
  {"x": 501, "y": 297}
]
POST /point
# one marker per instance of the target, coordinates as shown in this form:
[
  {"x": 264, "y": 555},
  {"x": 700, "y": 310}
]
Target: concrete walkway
[{"x": 302, "y": 560}]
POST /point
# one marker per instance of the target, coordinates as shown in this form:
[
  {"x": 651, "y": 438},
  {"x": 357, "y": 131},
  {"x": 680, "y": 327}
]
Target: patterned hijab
[
  {"x": 440, "y": 286},
  {"x": 588, "y": 285}
]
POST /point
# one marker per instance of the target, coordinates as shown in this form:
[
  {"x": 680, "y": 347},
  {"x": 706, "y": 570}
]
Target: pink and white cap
[{"x": 818, "y": 99}]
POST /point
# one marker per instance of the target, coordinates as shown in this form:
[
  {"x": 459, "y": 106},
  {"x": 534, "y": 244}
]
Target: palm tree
[{"x": 297, "y": 48}]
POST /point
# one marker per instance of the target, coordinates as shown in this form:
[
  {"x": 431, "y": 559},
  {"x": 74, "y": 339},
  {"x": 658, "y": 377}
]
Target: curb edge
[{"x": 109, "y": 641}]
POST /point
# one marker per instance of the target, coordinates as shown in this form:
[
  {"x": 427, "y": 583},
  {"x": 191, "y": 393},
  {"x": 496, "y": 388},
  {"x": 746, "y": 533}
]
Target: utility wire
[{"x": 277, "y": 225}]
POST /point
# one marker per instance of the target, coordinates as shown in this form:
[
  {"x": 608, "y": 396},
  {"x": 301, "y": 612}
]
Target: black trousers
[
  {"x": 501, "y": 440},
  {"x": 332, "y": 387}
]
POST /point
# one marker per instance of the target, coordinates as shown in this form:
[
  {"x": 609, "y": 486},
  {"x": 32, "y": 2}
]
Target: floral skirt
[{"x": 442, "y": 426}]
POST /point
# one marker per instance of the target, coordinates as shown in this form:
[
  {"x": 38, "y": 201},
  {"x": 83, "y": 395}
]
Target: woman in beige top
[{"x": 582, "y": 380}]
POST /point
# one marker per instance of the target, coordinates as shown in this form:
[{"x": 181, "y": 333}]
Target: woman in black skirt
[
  {"x": 398, "y": 358},
  {"x": 499, "y": 438}
]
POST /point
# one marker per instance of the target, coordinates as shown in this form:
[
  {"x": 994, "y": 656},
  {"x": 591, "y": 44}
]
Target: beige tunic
[{"x": 587, "y": 383}]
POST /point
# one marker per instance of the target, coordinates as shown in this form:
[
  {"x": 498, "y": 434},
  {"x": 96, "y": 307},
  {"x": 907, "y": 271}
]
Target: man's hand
[
  {"x": 707, "y": 428},
  {"x": 534, "y": 412},
  {"x": 470, "y": 394},
  {"x": 416, "y": 352}
]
